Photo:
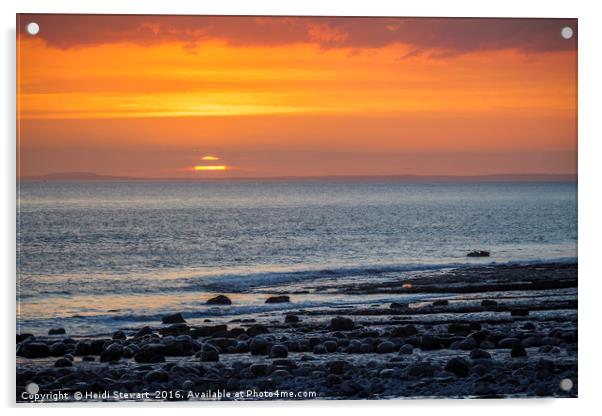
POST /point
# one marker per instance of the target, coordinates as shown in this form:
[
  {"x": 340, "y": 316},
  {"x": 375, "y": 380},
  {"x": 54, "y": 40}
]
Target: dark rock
[
  {"x": 146, "y": 330},
  {"x": 175, "y": 329},
  {"x": 119, "y": 335},
  {"x": 429, "y": 343},
  {"x": 150, "y": 353},
  {"x": 341, "y": 324},
  {"x": 319, "y": 349},
  {"x": 508, "y": 343},
  {"x": 259, "y": 370},
  {"x": 206, "y": 331},
  {"x": 87, "y": 358},
  {"x": 529, "y": 326},
  {"x": 518, "y": 351},
  {"x": 386, "y": 373},
  {"x": 396, "y": 305},
  {"x": 458, "y": 328},
  {"x": 488, "y": 304},
  {"x": 441, "y": 302},
  {"x": 257, "y": 329},
  {"x": 23, "y": 337},
  {"x": 128, "y": 352},
  {"x": 406, "y": 349},
  {"x": 404, "y": 331},
  {"x": 174, "y": 318},
  {"x": 63, "y": 362},
  {"x": 330, "y": 345},
  {"x": 259, "y": 346},
  {"x": 179, "y": 348},
  {"x": 458, "y": 366},
  {"x": 337, "y": 366},
  {"x": 209, "y": 353},
  {"x": 467, "y": 344},
  {"x": 156, "y": 376},
  {"x": 33, "y": 350},
  {"x": 421, "y": 370},
  {"x": 82, "y": 348},
  {"x": 278, "y": 351},
  {"x": 519, "y": 312},
  {"x": 291, "y": 319},
  {"x": 57, "y": 349},
  {"x": 478, "y": 253},
  {"x": 385, "y": 347},
  {"x": 278, "y": 299},
  {"x": 112, "y": 353},
  {"x": 333, "y": 380},
  {"x": 479, "y": 353},
  {"x": 57, "y": 331},
  {"x": 219, "y": 300}
]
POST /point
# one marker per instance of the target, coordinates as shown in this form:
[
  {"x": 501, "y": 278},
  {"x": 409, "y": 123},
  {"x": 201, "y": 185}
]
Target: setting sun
[{"x": 220, "y": 167}]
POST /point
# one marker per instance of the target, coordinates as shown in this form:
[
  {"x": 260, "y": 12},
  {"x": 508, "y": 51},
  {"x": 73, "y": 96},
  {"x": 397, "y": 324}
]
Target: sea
[{"x": 95, "y": 256}]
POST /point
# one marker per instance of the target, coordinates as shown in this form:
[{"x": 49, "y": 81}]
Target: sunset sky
[{"x": 167, "y": 96}]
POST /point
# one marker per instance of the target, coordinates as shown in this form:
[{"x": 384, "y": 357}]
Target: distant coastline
[{"x": 513, "y": 177}]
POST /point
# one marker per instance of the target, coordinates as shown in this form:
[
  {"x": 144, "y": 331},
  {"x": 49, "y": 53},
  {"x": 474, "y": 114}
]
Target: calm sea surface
[{"x": 96, "y": 256}]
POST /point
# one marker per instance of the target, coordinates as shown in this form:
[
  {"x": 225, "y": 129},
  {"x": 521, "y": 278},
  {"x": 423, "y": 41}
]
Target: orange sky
[{"x": 150, "y": 96}]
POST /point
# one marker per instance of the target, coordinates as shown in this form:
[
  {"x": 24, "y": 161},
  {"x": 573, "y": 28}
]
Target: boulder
[
  {"x": 508, "y": 343},
  {"x": 156, "y": 376},
  {"x": 478, "y": 253},
  {"x": 404, "y": 331},
  {"x": 206, "y": 331},
  {"x": 488, "y": 304},
  {"x": 57, "y": 331},
  {"x": 259, "y": 370},
  {"x": 291, "y": 319},
  {"x": 219, "y": 300},
  {"x": 150, "y": 353},
  {"x": 57, "y": 349},
  {"x": 259, "y": 346},
  {"x": 146, "y": 330},
  {"x": 458, "y": 366},
  {"x": 112, "y": 353},
  {"x": 278, "y": 351},
  {"x": 174, "y": 318},
  {"x": 518, "y": 351},
  {"x": 479, "y": 353},
  {"x": 341, "y": 324},
  {"x": 421, "y": 370},
  {"x": 63, "y": 362},
  {"x": 119, "y": 335},
  {"x": 406, "y": 349},
  {"x": 441, "y": 302},
  {"x": 458, "y": 328},
  {"x": 209, "y": 353},
  {"x": 278, "y": 299},
  {"x": 257, "y": 329},
  {"x": 429, "y": 342},
  {"x": 519, "y": 312},
  {"x": 33, "y": 350},
  {"x": 23, "y": 337},
  {"x": 385, "y": 347},
  {"x": 396, "y": 305}
]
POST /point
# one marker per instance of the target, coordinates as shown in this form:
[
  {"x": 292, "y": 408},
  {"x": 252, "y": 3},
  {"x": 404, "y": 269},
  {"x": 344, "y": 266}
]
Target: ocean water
[{"x": 96, "y": 256}]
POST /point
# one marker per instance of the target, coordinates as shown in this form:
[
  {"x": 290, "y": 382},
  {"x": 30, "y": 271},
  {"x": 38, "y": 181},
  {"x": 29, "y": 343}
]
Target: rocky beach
[{"x": 489, "y": 331}]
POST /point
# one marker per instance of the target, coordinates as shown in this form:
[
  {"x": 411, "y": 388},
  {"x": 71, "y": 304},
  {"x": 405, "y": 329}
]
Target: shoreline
[{"x": 493, "y": 327}]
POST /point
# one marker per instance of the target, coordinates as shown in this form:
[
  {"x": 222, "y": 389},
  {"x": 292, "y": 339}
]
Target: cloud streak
[{"x": 446, "y": 36}]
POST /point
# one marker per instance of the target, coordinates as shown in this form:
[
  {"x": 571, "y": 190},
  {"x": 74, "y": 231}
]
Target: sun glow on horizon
[
  {"x": 217, "y": 167},
  {"x": 210, "y": 158}
]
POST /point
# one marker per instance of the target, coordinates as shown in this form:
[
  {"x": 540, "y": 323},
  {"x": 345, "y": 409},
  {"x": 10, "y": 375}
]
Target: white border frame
[{"x": 590, "y": 137}]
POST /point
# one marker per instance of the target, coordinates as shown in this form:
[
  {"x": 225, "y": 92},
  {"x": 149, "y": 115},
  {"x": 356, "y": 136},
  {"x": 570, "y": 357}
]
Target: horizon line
[{"x": 518, "y": 177}]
